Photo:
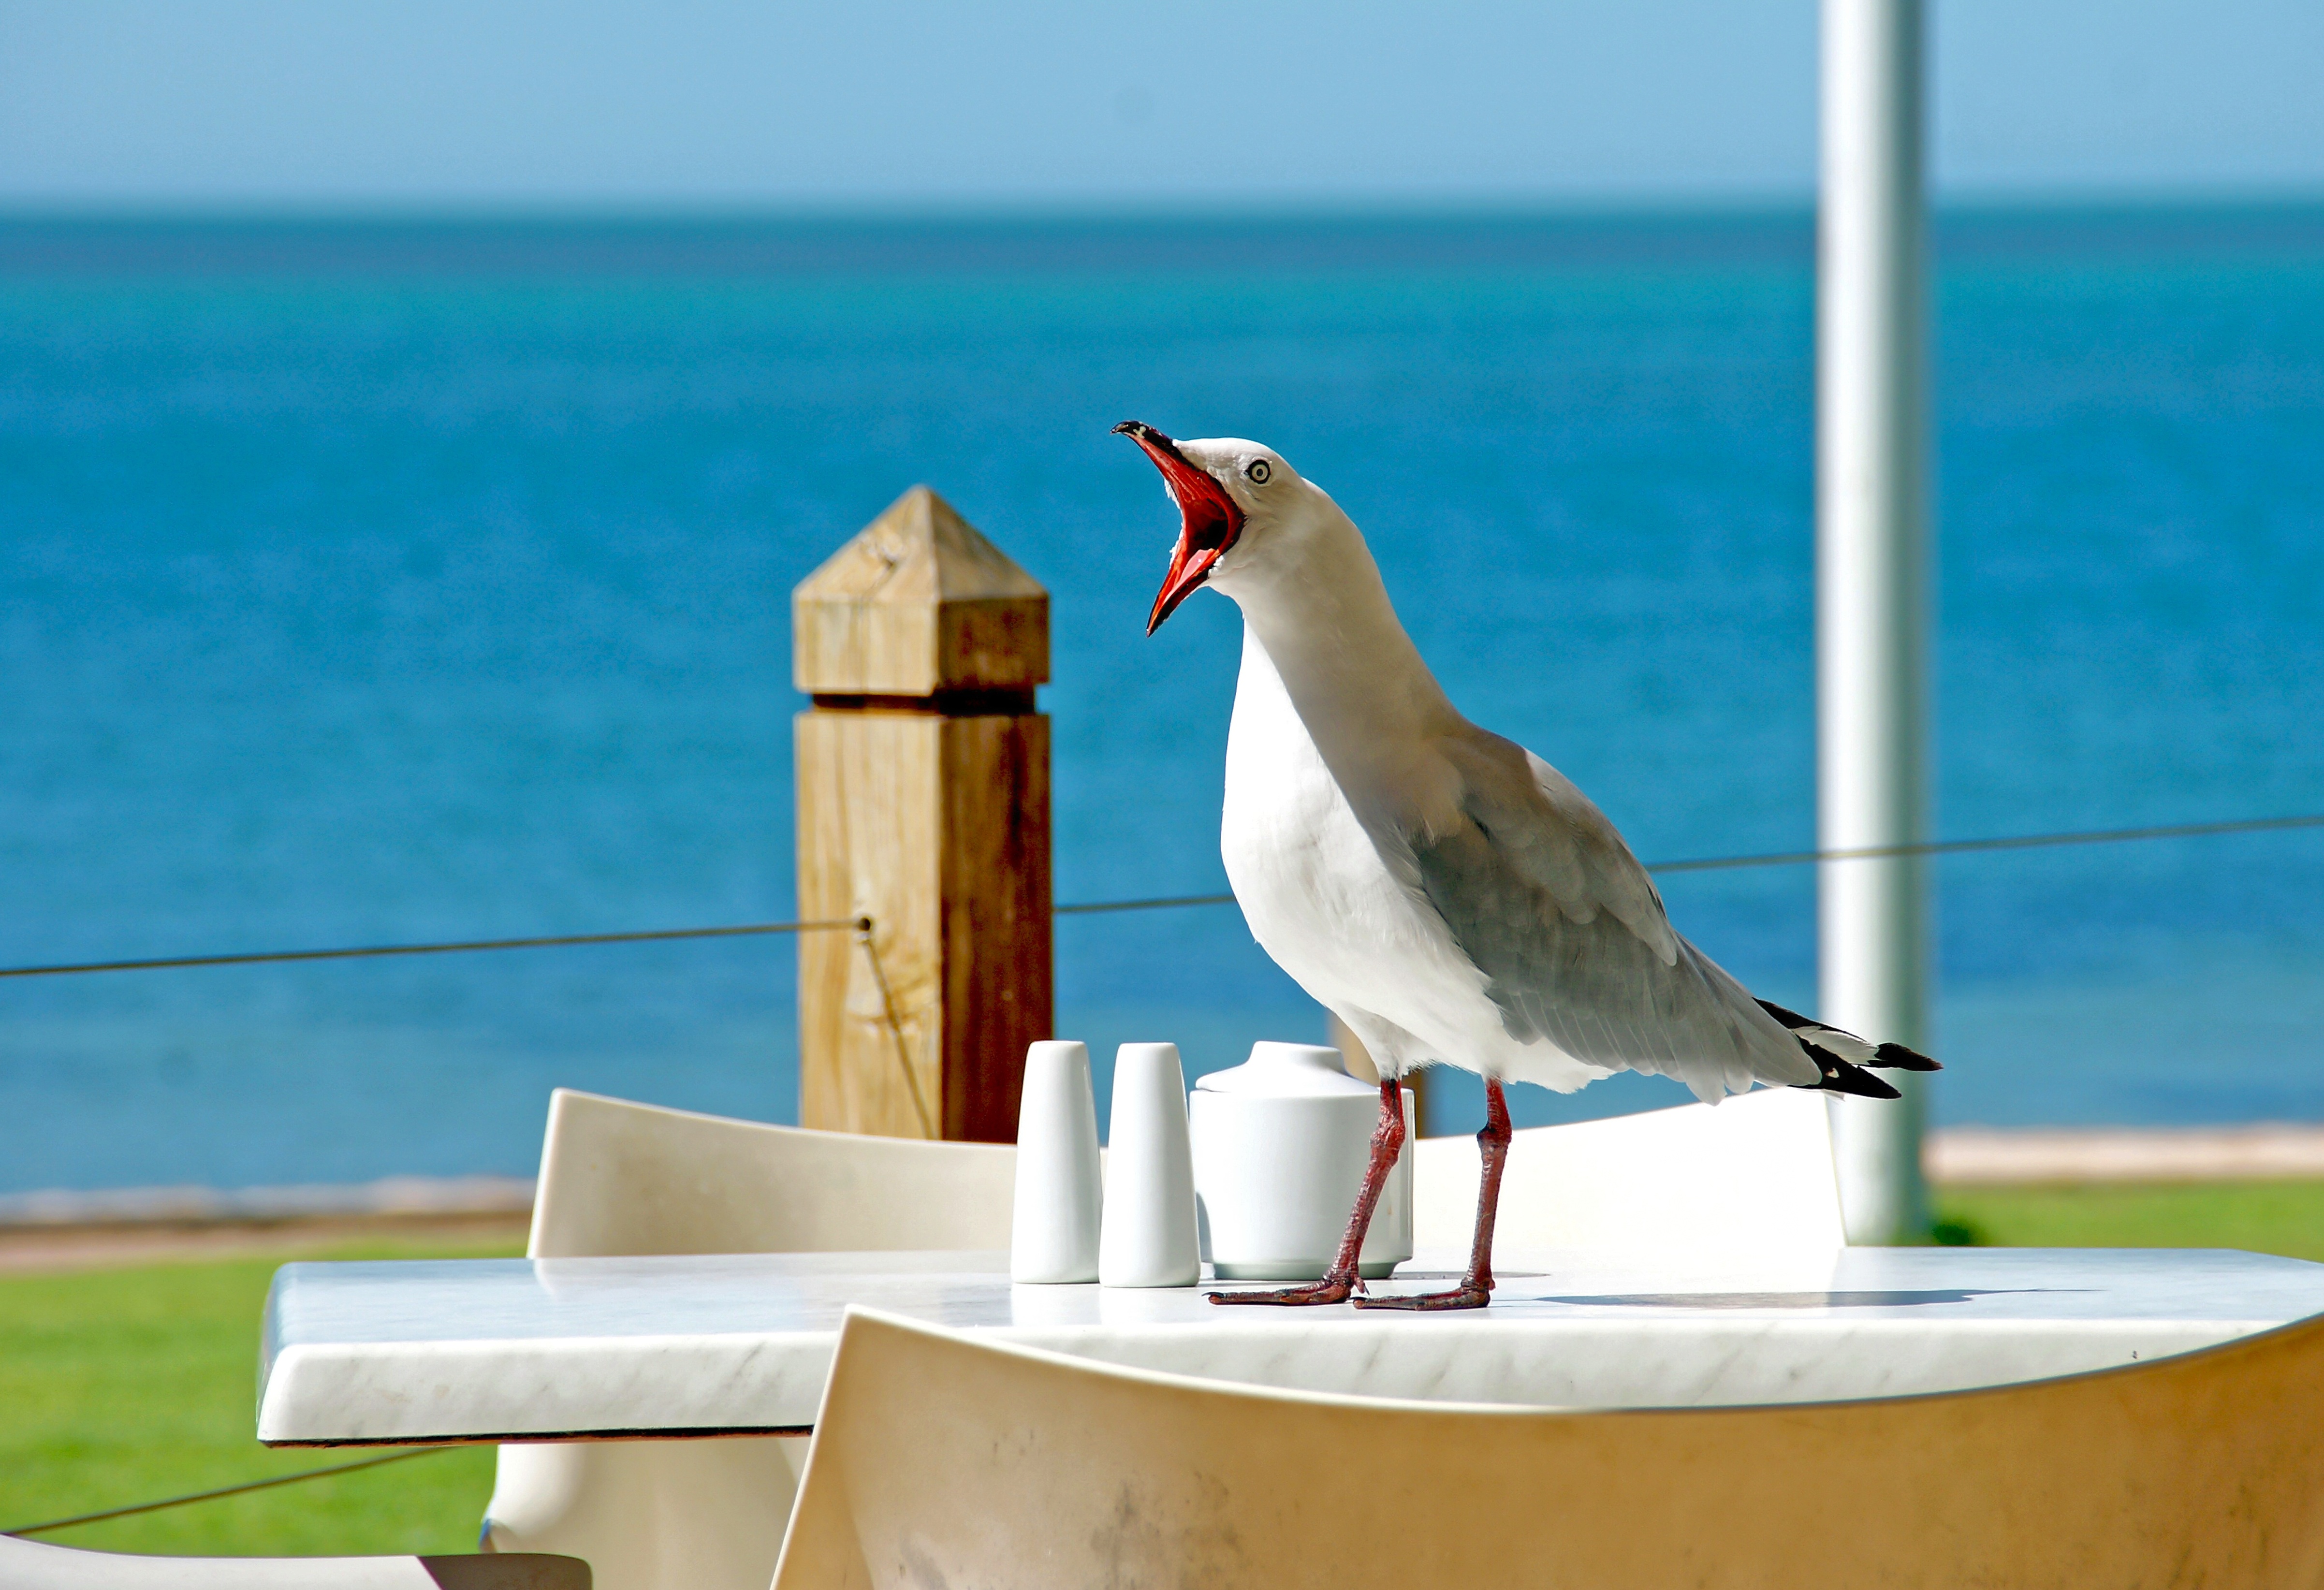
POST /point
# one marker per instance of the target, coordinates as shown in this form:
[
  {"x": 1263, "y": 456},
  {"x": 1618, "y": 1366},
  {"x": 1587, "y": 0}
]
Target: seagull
[{"x": 1447, "y": 894}]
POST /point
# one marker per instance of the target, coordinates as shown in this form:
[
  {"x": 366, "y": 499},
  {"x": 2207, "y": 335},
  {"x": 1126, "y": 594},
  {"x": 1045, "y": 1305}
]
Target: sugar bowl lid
[{"x": 1286, "y": 1070}]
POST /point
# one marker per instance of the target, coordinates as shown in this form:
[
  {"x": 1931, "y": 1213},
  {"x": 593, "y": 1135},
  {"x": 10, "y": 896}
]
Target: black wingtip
[
  {"x": 1839, "y": 1077},
  {"x": 1895, "y": 1057},
  {"x": 1853, "y": 1083},
  {"x": 1790, "y": 1018}
]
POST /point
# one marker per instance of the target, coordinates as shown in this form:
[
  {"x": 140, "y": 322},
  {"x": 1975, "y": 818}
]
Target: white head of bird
[
  {"x": 1247, "y": 517},
  {"x": 1253, "y": 529}
]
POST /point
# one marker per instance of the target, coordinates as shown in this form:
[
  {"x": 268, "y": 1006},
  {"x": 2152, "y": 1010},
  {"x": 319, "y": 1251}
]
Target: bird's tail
[{"x": 1847, "y": 1060}]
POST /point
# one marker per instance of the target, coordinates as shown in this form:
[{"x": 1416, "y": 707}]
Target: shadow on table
[{"x": 1801, "y": 1300}]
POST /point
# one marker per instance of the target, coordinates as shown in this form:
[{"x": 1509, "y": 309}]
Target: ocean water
[{"x": 379, "y": 583}]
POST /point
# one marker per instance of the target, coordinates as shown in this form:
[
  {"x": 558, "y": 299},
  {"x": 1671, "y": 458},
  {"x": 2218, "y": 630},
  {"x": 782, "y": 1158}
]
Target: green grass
[
  {"x": 2265, "y": 1216},
  {"x": 122, "y": 1386}
]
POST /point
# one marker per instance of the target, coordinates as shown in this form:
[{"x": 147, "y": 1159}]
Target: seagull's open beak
[{"x": 1209, "y": 520}]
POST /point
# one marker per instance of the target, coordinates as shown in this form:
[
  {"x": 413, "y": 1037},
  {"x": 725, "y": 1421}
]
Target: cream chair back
[
  {"x": 618, "y": 1178},
  {"x": 1750, "y": 1177},
  {"x": 939, "y": 1460}
]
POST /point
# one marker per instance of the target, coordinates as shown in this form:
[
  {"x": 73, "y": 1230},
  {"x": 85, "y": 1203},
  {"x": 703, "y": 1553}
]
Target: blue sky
[{"x": 241, "y": 103}]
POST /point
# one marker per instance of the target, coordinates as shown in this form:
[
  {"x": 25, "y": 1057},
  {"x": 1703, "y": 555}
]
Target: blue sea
[{"x": 382, "y": 581}]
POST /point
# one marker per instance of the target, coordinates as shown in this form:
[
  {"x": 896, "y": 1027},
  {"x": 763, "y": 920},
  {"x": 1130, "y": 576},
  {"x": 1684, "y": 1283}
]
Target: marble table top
[{"x": 487, "y": 1349}]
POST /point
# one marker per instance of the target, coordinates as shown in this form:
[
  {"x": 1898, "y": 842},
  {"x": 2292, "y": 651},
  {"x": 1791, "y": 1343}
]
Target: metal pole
[{"x": 1871, "y": 587}]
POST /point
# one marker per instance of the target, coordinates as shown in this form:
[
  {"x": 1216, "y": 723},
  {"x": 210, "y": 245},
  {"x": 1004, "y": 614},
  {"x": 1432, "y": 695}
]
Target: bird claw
[
  {"x": 1330, "y": 1290},
  {"x": 1466, "y": 1296}
]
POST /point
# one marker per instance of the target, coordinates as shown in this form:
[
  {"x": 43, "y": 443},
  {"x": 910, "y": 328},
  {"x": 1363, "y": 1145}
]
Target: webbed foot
[
  {"x": 1330, "y": 1290},
  {"x": 1468, "y": 1295}
]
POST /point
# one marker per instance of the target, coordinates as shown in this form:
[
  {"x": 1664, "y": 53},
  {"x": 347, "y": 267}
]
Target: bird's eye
[{"x": 1258, "y": 470}]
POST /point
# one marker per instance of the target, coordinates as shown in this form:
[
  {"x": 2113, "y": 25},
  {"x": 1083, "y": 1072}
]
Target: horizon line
[{"x": 519, "y": 210}]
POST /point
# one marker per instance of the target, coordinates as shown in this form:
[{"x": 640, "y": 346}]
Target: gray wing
[{"x": 1543, "y": 896}]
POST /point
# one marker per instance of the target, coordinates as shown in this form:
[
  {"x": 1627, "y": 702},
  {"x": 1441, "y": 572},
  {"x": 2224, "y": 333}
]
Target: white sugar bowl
[{"x": 1280, "y": 1143}]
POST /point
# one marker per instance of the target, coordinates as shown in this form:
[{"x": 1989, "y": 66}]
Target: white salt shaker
[
  {"x": 1054, "y": 1233},
  {"x": 1149, "y": 1237}
]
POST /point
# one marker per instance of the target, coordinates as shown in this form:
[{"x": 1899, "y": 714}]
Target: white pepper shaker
[
  {"x": 1149, "y": 1237},
  {"x": 1053, "y": 1238}
]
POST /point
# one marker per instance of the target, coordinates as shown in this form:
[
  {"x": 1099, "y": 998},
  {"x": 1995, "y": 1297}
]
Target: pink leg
[
  {"x": 1339, "y": 1280},
  {"x": 1476, "y": 1287}
]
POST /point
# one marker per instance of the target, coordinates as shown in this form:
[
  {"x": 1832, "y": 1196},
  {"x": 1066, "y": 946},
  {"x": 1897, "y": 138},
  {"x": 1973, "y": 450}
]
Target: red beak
[{"x": 1209, "y": 520}]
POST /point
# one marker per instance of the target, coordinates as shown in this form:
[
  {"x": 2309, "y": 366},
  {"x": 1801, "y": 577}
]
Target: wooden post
[{"x": 922, "y": 775}]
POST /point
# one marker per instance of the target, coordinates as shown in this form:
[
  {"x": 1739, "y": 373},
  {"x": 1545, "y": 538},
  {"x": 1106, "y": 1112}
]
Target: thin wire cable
[
  {"x": 2023, "y": 841},
  {"x": 1946, "y": 846},
  {"x": 1157, "y": 903},
  {"x": 895, "y": 1028},
  {"x": 743, "y": 929},
  {"x": 280, "y": 1479},
  {"x": 1707, "y": 864}
]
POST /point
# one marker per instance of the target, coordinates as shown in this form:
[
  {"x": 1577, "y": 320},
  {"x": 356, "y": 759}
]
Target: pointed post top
[
  {"x": 920, "y": 550},
  {"x": 919, "y": 604}
]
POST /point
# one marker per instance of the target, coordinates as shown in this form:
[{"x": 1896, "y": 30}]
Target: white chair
[
  {"x": 1749, "y": 1177},
  {"x": 31, "y": 1564},
  {"x": 618, "y": 1178},
  {"x": 941, "y": 1460}
]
